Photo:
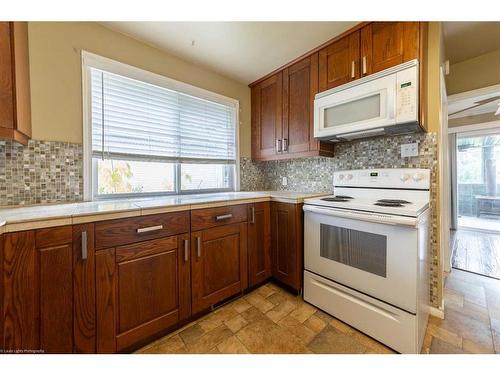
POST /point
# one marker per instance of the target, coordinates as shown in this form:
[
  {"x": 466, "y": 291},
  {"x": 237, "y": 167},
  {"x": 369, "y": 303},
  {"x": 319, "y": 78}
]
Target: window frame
[{"x": 90, "y": 60}]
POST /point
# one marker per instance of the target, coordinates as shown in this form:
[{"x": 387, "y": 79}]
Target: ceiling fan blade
[{"x": 477, "y": 104}]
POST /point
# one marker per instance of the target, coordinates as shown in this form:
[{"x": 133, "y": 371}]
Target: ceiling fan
[{"x": 480, "y": 103}]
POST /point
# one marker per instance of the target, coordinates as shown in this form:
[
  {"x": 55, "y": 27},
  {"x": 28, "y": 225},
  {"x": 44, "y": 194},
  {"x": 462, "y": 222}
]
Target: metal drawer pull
[
  {"x": 253, "y": 215},
  {"x": 186, "y": 250},
  {"x": 285, "y": 144},
  {"x": 352, "y": 69},
  {"x": 223, "y": 217},
  {"x": 198, "y": 246},
  {"x": 149, "y": 229},
  {"x": 84, "y": 245},
  {"x": 278, "y": 146},
  {"x": 364, "y": 65}
]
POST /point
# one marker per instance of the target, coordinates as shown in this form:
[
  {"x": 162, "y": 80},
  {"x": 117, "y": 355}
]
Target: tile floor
[{"x": 271, "y": 320}]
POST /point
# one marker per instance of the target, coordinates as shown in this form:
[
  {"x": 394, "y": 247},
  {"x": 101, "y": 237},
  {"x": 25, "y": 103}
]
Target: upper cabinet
[
  {"x": 282, "y": 113},
  {"x": 386, "y": 44},
  {"x": 283, "y": 101},
  {"x": 339, "y": 62},
  {"x": 15, "y": 107}
]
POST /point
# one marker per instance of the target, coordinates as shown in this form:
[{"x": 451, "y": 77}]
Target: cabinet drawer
[
  {"x": 212, "y": 217},
  {"x": 124, "y": 231}
]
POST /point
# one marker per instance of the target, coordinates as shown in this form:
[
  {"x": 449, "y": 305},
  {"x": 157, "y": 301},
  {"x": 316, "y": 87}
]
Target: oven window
[
  {"x": 364, "y": 109},
  {"x": 362, "y": 250}
]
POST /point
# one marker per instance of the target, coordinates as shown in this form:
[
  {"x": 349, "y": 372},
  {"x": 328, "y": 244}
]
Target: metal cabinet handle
[
  {"x": 198, "y": 246},
  {"x": 352, "y": 69},
  {"x": 278, "y": 146},
  {"x": 364, "y": 65},
  {"x": 186, "y": 250},
  {"x": 252, "y": 220},
  {"x": 285, "y": 144},
  {"x": 223, "y": 217},
  {"x": 149, "y": 229},
  {"x": 84, "y": 245}
]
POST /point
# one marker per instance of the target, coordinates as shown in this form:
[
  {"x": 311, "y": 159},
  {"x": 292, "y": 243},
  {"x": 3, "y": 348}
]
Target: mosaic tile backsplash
[
  {"x": 41, "y": 172},
  {"x": 52, "y": 172}
]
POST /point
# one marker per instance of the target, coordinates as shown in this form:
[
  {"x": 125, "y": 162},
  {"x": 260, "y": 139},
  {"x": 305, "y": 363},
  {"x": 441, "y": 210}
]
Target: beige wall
[
  {"x": 55, "y": 68},
  {"x": 480, "y": 71}
]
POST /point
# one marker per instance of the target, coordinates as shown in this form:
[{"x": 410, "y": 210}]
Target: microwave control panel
[{"x": 407, "y": 95}]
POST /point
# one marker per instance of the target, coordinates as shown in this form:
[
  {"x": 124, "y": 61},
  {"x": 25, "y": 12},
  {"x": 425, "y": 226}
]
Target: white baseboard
[{"x": 437, "y": 312}]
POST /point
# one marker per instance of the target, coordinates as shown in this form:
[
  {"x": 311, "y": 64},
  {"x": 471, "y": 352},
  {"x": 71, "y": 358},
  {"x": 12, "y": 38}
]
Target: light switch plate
[
  {"x": 409, "y": 149},
  {"x": 284, "y": 181}
]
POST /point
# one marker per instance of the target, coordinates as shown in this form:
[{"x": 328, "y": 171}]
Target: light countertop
[{"x": 41, "y": 216}]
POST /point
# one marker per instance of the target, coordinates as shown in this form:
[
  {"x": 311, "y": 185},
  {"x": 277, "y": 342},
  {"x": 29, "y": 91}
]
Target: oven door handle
[{"x": 365, "y": 216}]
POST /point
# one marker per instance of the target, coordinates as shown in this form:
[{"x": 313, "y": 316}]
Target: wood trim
[
  {"x": 105, "y": 301},
  {"x": 84, "y": 297},
  {"x": 55, "y": 236},
  {"x": 14, "y": 135},
  {"x": 184, "y": 279},
  {"x": 311, "y": 52},
  {"x": 423, "y": 74},
  {"x": 323, "y": 151},
  {"x": 146, "y": 248}
]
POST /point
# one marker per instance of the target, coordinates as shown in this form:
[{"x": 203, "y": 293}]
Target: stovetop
[{"x": 387, "y": 206}]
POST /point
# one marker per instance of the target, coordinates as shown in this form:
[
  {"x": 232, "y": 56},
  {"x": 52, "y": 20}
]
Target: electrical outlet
[
  {"x": 409, "y": 149},
  {"x": 284, "y": 181}
]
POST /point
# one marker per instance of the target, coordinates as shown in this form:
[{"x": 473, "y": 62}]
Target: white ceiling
[
  {"x": 243, "y": 51},
  {"x": 465, "y": 40}
]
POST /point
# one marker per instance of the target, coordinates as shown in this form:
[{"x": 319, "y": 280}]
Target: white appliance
[
  {"x": 366, "y": 253},
  {"x": 382, "y": 103}
]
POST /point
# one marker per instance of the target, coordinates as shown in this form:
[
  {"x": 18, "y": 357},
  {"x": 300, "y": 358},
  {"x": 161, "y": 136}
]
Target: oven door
[
  {"x": 377, "y": 259},
  {"x": 361, "y": 108}
]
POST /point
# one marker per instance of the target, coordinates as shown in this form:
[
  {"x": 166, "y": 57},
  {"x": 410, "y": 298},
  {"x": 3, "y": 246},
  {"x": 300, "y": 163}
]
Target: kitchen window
[{"x": 146, "y": 134}]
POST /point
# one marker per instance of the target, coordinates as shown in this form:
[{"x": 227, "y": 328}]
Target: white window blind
[{"x": 138, "y": 120}]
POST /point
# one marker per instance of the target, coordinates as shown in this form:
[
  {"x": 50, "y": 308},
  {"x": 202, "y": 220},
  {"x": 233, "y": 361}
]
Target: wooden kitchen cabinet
[
  {"x": 15, "y": 107},
  {"x": 387, "y": 44},
  {"x": 339, "y": 62},
  {"x": 259, "y": 243},
  {"x": 287, "y": 243},
  {"x": 267, "y": 125},
  {"x": 47, "y": 307},
  {"x": 282, "y": 114},
  {"x": 143, "y": 285},
  {"x": 219, "y": 264}
]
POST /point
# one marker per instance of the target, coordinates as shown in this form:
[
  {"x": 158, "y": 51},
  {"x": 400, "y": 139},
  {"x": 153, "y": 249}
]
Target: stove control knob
[
  {"x": 417, "y": 177},
  {"x": 341, "y": 177},
  {"x": 349, "y": 176},
  {"x": 404, "y": 177}
]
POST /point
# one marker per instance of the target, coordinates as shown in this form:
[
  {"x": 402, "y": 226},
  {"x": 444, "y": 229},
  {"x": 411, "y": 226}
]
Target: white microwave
[{"x": 382, "y": 103}]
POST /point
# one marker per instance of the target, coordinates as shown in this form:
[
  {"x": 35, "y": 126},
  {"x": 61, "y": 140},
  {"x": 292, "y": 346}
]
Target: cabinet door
[
  {"x": 55, "y": 251},
  {"x": 21, "y": 308},
  {"x": 386, "y": 44},
  {"x": 339, "y": 62},
  {"x": 286, "y": 243},
  {"x": 300, "y": 85},
  {"x": 219, "y": 264},
  {"x": 266, "y": 117},
  {"x": 259, "y": 243},
  {"x": 147, "y": 289}
]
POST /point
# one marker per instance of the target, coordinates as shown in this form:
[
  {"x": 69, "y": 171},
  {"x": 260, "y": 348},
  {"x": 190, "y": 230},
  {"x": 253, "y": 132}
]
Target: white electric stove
[{"x": 366, "y": 253}]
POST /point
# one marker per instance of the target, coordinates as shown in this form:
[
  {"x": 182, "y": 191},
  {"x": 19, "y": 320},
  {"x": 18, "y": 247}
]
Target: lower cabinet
[
  {"x": 142, "y": 290},
  {"x": 65, "y": 290},
  {"x": 219, "y": 264},
  {"x": 287, "y": 243},
  {"x": 259, "y": 243},
  {"x": 48, "y": 291}
]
